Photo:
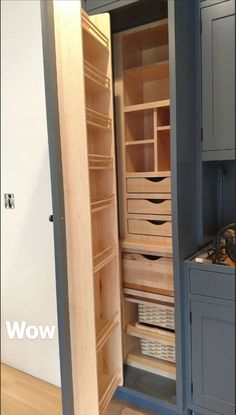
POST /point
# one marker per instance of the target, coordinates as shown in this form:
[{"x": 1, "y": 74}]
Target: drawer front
[
  {"x": 150, "y": 227},
  {"x": 150, "y": 206},
  {"x": 148, "y": 185},
  {"x": 148, "y": 273},
  {"x": 212, "y": 284}
]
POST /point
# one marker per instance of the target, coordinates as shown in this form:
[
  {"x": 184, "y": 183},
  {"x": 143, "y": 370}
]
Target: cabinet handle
[
  {"x": 157, "y": 222},
  {"x": 156, "y": 201},
  {"x": 155, "y": 179},
  {"x": 50, "y": 218},
  {"x": 151, "y": 257}
]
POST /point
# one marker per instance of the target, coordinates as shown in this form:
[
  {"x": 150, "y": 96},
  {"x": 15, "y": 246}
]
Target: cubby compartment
[
  {"x": 103, "y": 233},
  {"x": 95, "y": 45},
  {"x": 99, "y": 141},
  {"x": 106, "y": 302},
  {"x": 163, "y": 117},
  {"x": 148, "y": 273},
  {"x": 138, "y": 91},
  {"x": 98, "y": 101},
  {"x": 143, "y": 341},
  {"x": 140, "y": 158},
  {"x": 101, "y": 184},
  {"x": 146, "y": 46},
  {"x": 109, "y": 371},
  {"x": 163, "y": 150},
  {"x": 139, "y": 125}
]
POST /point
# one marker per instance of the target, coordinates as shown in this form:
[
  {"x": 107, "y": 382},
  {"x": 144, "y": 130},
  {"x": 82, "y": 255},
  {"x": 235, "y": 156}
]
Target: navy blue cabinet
[
  {"x": 210, "y": 340},
  {"x": 218, "y": 81},
  {"x": 213, "y": 359}
]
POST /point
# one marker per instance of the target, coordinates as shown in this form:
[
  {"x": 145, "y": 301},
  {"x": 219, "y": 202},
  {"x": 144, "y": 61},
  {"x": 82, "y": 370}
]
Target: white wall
[{"x": 28, "y": 276}]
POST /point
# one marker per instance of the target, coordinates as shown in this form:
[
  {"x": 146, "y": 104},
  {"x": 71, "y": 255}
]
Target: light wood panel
[
  {"x": 86, "y": 115},
  {"x": 71, "y": 95}
]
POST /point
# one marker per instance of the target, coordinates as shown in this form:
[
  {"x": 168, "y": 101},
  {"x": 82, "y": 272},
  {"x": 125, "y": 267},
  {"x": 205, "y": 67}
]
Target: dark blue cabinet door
[
  {"x": 218, "y": 80},
  {"x": 213, "y": 357}
]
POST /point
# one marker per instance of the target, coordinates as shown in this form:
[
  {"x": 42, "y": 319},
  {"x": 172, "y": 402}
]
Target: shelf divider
[
  {"x": 147, "y": 105},
  {"x": 137, "y": 142},
  {"x": 152, "y": 364},
  {"x": 151, "y": 72}
]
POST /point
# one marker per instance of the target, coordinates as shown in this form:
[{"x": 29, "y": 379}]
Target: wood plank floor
[{"x": 22, "y": 394}]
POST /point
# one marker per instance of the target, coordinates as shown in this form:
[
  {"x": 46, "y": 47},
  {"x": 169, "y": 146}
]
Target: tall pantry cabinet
[{"x": 119, "y": 292}]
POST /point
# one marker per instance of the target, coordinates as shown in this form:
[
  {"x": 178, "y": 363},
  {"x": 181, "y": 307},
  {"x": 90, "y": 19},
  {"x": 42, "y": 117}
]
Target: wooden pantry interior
[{"x": 129, "y": 213}]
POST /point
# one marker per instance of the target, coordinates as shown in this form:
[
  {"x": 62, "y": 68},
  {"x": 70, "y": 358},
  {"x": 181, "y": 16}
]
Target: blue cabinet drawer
[{"x": 212, "y": 284}]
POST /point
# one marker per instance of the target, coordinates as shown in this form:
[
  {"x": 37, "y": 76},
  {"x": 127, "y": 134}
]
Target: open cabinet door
[{"x": 84, "y": 81}]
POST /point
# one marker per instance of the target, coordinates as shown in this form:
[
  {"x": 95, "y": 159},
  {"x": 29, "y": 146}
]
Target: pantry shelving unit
[
  {"x": 114, "y": 284},
  {"x": 142, "y": 89}
]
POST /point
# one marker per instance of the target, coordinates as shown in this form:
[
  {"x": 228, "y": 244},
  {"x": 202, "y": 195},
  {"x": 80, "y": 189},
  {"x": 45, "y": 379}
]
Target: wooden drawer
[
  {"x": 212, "y": 284},
  {"x": 148, "y": 185},
  {"x": 150, "y": 227},
  {"x": 150, "y": 206},
  {"x": 148, "y": 273}
]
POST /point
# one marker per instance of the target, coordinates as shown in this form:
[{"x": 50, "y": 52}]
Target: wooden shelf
[
  {"x": 100, "y": 204},
  {"x": 162, "y": 336},
  {"x": 98, "y": 162},
  {"x": 104, "y": 257},
  {"x": 98, "y": 120},
  {"x": 94, "y": 35},
  {"x": 106, "y": 331},
  {"x": 132, "y": 295},
  {"x": 151, "y": 364},
  {"x": 159, "y": 70},
  {"x": 108, "y": 386},
  {"x": 137, "y": 142},
  {"x": 163, "y": 128},
  {"x": 96, "y": 81},
  {"x": 147, "y": 105},
  {"x": 146, "y": 247}
]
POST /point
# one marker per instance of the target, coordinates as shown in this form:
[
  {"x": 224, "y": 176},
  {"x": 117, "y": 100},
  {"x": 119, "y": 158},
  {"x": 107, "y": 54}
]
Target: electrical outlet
[{"x": 9, "y": 201}]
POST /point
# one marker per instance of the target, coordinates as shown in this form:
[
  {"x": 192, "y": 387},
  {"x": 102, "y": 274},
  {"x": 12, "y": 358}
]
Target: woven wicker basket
[
  {"x": 158, "y": 349},
  {"x": 157, "y": 315}
]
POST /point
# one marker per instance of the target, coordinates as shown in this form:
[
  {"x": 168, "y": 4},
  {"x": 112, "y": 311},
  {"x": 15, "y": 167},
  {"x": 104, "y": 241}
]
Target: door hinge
[
  {"x": 200, "y": 26},
  {"x": 191, "y": 387},
  {"x": 201, "y": 135},
  {"x": 190, "y": 317}
]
